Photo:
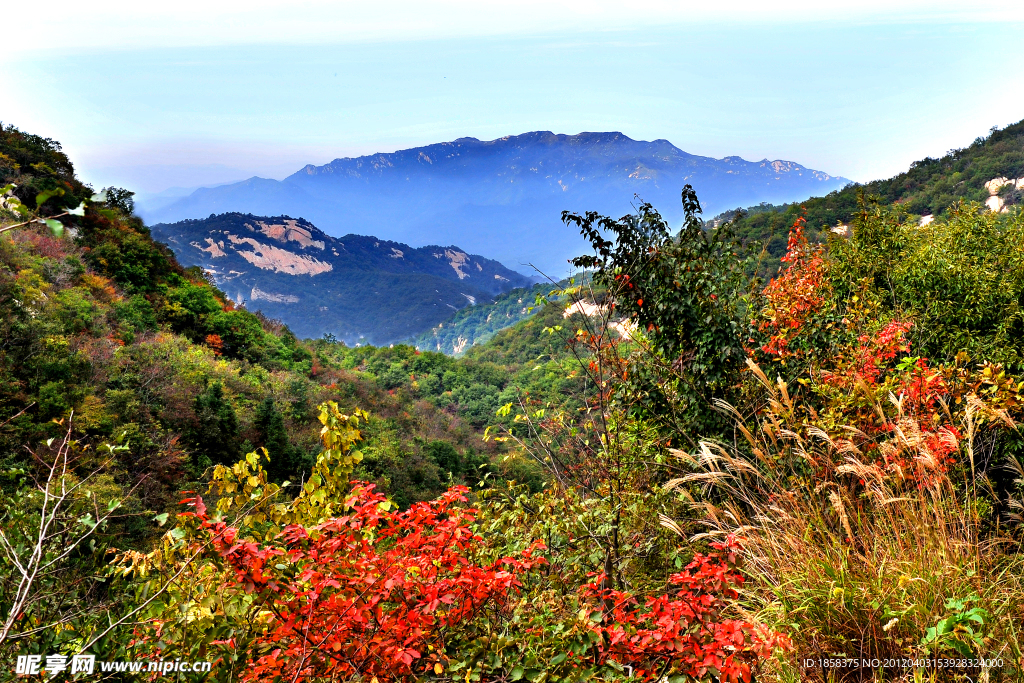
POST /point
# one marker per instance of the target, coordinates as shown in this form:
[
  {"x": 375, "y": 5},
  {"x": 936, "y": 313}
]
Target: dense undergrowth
[{"x": 705, "y": 478}]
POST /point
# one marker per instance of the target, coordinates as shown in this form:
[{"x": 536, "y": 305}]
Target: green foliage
[
  {"x": 42, "y": 174},
  {"x": 475, "y": 325},
  {"x": 684, "y": 292},
  {"x": 120, "y": 199},
  {"x": 124, "y": 251},
  {"x": 929, "y": 187},
  {"x": 962, "y": 631},
  {"x": 286, "y": 462},
  {"x": 55, "y": 530},
  {"x": 189, "y": 307},
  {"x": 136, "y": 315},
  {"x": 214, "y": 436},
  {"x": 445, "y": 456},
  {"x": 960, "y": 279},
  {"x": 519, "y": 362}
]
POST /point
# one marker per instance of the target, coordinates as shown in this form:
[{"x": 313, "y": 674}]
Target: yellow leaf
[{"x": 438, "y": 669}]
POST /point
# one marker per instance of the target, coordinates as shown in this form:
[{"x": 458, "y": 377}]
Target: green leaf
[
  {"x": 962, "y": 648},
  {"x": 161, "y": 519},
  {"x": 517, "y": 673},
  {"x": 46, "y": 194},
  {"x": 99, "y": 196},
  {"x": 56, "y": 227},
  {"x": 558, "y": 659},
  {"x": 78, "y": 210}
]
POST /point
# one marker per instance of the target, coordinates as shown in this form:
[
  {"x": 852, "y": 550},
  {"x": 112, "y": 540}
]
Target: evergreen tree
[
  {"x": 445, "y": 456},
  {"x": 214, "y": 437},
  {"x": 286, "y": 461}
]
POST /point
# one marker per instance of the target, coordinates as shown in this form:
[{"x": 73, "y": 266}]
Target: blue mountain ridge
[{"x": 504, "y": 198}]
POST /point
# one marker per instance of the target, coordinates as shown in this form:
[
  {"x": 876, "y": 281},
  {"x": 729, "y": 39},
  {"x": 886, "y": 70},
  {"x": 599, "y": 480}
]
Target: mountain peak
[{"x": 504, "y": 197}]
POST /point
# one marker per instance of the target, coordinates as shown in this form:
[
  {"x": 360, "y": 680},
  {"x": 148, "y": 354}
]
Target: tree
[
  {"x": 684, "y": 292},
  {"x": 49, "y": 535},
  {"x": 285, "y": 460},
  {"x": 214, "y": 436},
  {"x": 445, "y": 455},
  {"x": 121, "y": 199}
]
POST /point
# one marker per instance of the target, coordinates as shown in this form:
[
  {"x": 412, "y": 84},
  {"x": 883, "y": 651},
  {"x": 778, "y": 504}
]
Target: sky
[{"x": 152, "y": 96}]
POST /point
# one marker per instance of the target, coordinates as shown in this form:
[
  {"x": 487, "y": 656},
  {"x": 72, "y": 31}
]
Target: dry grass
[{"x": 862, "y": 565}]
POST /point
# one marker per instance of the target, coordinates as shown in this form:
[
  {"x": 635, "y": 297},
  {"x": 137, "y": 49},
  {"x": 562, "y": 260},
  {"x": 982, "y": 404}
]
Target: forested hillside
[
  {"x": 478, "y": 323},
  {"x": 101, "y": 322},
  {"x": 929, "y": 188},
  {"x": 667, "y": 472}
]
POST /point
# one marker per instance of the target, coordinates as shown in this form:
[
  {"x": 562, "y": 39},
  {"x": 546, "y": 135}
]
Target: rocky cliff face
[
  {"x": 1003, "y": 193},
  {"x": 356, "y": 287}
]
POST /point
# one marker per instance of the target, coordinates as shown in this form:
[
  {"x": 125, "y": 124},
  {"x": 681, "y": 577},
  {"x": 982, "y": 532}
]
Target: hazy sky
[{"x": 191, "y": 93}]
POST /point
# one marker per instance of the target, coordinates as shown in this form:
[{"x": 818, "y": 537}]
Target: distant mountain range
[
  {"x": 503, "y": 197},
  {"x": 361, "y": 289}
]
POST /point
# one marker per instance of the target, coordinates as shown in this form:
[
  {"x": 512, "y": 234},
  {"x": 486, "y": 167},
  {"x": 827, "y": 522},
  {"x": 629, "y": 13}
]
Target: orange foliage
[
  {"x": 795, "y": 295},
  {"x": 101, "y": 287},
  {"x": 216, "y": 343}
]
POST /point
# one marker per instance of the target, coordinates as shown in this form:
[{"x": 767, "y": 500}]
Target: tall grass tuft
[{"x": 869, "y": 564}]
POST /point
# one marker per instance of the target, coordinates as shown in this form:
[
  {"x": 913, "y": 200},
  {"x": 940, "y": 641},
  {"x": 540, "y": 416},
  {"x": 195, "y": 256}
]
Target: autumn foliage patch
[
  {"x": 373, "y": 592},
  {"x": 684, "y": 631},
  {"x": 795, "y": 295},
  {"x": 392, "y": 595}
]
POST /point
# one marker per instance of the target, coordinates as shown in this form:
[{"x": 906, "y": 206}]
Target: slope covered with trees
[
  {"x": 477, "y": 324},
  {"x": 101, "y": 321},
  {"x": 929, "y": 187}
]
